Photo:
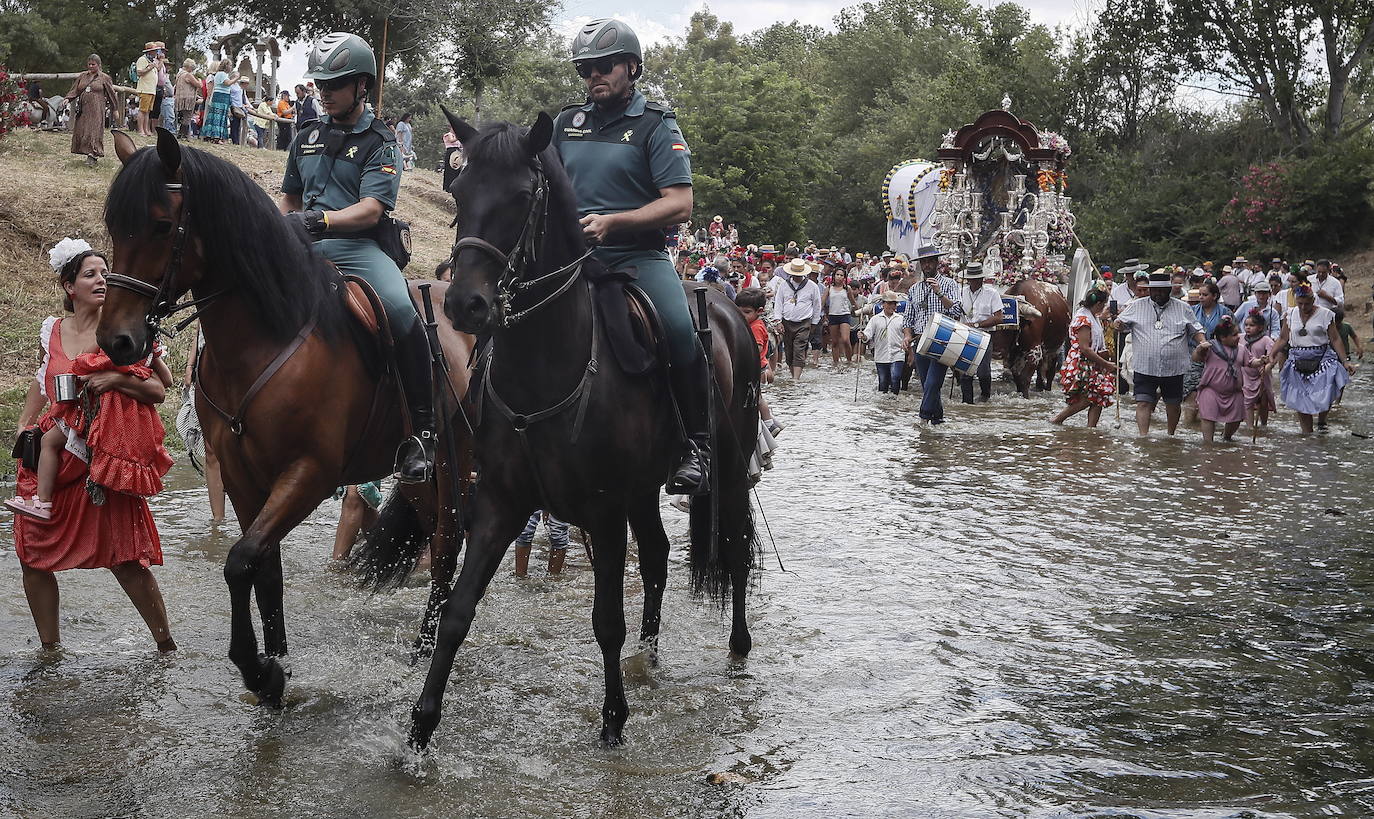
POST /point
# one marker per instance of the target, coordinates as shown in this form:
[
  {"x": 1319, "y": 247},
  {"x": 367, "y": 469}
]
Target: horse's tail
[
  {"x": 737, "y": 549},
  {"x": 392, "y": 547}
]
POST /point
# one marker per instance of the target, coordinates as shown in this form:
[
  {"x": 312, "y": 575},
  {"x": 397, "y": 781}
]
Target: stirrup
[
  {"x": 703, "y": 483},
  {"x": 425, "y": 442}
]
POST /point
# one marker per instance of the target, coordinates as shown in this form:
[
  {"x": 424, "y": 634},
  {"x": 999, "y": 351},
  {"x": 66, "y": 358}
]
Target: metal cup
[{"x": 67, "y": 387}]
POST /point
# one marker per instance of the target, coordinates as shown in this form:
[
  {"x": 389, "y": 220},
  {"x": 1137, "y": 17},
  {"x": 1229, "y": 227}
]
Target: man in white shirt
[
  {"x": 1124, "y": 291},
  {"x": 1330, "y": 292},
  {"x": 797, "y": 303},
  {"x": 889, "y": 354},
  {"x": 1261, "y": 301},
  {"x": 983, "y": 310}
]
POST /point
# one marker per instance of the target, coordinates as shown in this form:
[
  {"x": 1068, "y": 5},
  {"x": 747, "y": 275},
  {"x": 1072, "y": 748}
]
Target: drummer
[
  {"x": 934, "y": 293},
  {"x": 982, "y": 308}
]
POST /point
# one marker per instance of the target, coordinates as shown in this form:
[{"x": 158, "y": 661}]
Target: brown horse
[
  {"x": 292, "y": 394},
  {"x": 1038, "y": 346}
]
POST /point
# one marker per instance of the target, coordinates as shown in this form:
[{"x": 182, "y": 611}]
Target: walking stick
[
  {"x": 856, "y": 381},
  {"x": 1117, "y": 379}
]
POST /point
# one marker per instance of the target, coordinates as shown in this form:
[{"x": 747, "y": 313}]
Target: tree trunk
[{"x": 478, "y": 87}]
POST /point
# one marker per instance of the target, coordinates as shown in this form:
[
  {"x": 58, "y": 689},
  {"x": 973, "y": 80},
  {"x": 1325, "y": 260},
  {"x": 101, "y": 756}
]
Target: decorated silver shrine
[{"x": 1002, "y": 199}]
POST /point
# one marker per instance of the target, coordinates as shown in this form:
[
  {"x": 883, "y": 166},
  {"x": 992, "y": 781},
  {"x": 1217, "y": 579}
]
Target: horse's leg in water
[
  {"x": 444, "y": 548},
  {"x": 267, "y": 587},
  {"x": 496, "y": 522},
  {"x": 294, "y": 496},
  {"x": 608, "y": 619},
  {"x": 737, "y": 542},
  {"x": 647, "y": 525}
]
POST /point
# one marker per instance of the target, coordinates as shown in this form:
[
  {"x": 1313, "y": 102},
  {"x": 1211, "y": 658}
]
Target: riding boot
[
  {"x": 415, "y": 456},
  {"x": 522, "y": 559},
  {"x": 691, "y": 388},
  {"x": 556, "y": 558}
]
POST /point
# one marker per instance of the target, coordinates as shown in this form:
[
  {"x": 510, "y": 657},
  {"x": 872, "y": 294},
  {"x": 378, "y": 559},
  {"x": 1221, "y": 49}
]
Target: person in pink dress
[
  {"x": 1255, "y": 374},
  {"x": 118, "y": 534},
  {"x": 1220, "y": 397}
]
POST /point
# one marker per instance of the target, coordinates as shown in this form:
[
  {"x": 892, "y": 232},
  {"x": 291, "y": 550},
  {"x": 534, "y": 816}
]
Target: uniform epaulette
[
  {"x": 661, "y": 107},
  {"x": 382, "y": 128}
]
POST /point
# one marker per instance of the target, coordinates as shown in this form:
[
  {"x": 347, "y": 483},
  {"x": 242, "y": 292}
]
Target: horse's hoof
[
  {"x": 611, "y": 737},
  {"x": 740, "y": 647},
  {"x": 272, "y": 679}
]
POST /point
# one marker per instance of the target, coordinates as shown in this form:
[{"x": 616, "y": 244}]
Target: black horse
[{"x": 563, "y": 427}]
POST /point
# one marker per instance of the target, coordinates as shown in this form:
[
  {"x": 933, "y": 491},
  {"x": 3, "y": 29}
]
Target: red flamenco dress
[{"x": 125, "y": 447}]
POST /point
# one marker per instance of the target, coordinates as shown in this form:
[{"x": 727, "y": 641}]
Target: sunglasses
[
  {"x": 337, "y": 84},
  {"x": 603, "y": 66}
]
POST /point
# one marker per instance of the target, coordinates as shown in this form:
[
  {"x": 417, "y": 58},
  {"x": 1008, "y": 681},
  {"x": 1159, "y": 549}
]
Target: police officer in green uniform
[
  {"x": 342, "y": 176},
  {"x": 632, "y": 173}
]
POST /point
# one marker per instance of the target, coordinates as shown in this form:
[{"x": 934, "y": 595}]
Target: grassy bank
[{"x": 52, "y": 194}]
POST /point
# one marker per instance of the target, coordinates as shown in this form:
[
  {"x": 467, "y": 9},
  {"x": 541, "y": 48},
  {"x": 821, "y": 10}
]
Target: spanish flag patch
[
  {"x": 678, "y": 146},
  {"x": 391, "y": 169}
]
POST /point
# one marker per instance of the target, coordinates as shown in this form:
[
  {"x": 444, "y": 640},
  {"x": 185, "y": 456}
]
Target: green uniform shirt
[
  {"x": 619, "y": 160},
  {"x": 364, "y": 163}
]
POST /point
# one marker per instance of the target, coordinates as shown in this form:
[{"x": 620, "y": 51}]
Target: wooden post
[{"x": 381, "y": 66}]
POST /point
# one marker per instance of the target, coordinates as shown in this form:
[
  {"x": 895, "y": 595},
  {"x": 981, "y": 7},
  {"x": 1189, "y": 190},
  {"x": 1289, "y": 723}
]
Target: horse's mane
[{"x": 243, "y": 237}]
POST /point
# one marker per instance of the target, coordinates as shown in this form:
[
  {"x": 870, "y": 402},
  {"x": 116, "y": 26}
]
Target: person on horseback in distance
[
  {"x": 632, "y": 175},
  {"x": 342, "y": 176}
]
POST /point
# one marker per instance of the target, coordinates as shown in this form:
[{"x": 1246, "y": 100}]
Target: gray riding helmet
[{"x": 604, "y": 38}]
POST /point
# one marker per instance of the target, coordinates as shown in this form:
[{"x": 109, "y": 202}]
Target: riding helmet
[
  {"x": 603, "y": 38},
  {"x": 340, "y": 54}
]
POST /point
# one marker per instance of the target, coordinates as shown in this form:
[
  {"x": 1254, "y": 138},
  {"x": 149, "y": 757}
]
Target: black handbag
[
  {"x": 26, "y": 448},
  {"x": 1307, "y": 366}
]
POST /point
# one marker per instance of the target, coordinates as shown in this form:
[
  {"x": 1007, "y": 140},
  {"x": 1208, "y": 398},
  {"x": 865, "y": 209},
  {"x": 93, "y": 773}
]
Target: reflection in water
[{"x": 995, "y": 617}]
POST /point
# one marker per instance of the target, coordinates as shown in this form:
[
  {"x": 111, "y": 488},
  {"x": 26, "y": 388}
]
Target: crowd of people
[
  {"x": 213, "y": 102},
  {"x": 1203, "y": 340}
]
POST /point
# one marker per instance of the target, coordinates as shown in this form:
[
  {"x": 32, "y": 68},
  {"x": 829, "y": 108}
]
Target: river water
[{"x": 992, "y": 618}]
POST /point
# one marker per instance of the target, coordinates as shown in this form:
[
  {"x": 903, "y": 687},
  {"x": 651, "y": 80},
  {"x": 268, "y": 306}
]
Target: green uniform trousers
[
  {"x": 663, "y": 285},
  {"x": 364, "y": 259}
]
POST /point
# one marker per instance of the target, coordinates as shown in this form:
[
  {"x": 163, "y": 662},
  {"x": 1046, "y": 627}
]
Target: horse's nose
[
  {"x": 476, "y": 309},
  {"x": 122, "y": 349}
]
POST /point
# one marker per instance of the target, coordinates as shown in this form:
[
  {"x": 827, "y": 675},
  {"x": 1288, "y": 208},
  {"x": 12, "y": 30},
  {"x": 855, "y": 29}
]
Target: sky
[{"x": 658, "y": 20}]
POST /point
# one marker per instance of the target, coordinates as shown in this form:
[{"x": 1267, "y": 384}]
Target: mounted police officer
[
  {"x": 632, "y": 173},
  {"x": 342, "y": 177}
]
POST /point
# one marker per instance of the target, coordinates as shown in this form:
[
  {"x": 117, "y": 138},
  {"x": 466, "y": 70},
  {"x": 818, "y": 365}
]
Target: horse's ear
[
  {"x": 540, "y": 135},
  {"x": 169, "y": 151},
  {"x": 461, "y": 129},
  {"x": 124, "y": 147}
]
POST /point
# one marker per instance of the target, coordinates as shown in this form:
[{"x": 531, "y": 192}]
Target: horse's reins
[
  {"x": 164, "y": 304},
  {"x": 513, "y": 282},
  {"x": 514, "y": 264}
]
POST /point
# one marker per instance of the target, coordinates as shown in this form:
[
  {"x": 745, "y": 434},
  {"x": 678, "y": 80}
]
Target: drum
[{"x": 953, "y": 344}]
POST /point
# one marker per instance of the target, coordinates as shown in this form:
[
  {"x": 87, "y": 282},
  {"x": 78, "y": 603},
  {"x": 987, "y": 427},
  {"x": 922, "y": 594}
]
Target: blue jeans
[
  {"x": 932, "y": 375},
  {"x": 168, "y": 113},
  {"x": 558, "y": 532},
  {"x": 890, "y": 376}
]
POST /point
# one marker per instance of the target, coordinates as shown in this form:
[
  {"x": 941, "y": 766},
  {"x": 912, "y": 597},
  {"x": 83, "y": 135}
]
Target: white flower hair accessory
[{"x": 66, "y": 250}]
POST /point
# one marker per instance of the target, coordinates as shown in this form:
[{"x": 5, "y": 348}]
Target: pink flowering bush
[
  {"x": 9, "y": 98},
  {"x": 1253, "y": 217}
]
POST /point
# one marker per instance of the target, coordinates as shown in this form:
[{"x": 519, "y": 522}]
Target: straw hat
[
  {"x": 149, "y": 46},
  {"x": 929, "y": 252},
  {"x": 796, "y": 267},
  {"x": 717, "y": 219},
  {"x": 1262, "y": 287},
  {"x": 890, "y": 295},
  {"x": 974, "y": 270}
]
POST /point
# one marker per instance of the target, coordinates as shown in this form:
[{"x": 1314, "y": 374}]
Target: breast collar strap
[{"x": 162, "y": 295}]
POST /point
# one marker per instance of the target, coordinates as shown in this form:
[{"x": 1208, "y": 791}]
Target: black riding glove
[{"x": 311, "y": 220}]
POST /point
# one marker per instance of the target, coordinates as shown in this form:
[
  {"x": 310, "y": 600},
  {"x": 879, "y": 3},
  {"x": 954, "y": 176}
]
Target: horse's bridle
[
  {"x": 162, "y": 295},
  {"x": 526, "y": 250}
]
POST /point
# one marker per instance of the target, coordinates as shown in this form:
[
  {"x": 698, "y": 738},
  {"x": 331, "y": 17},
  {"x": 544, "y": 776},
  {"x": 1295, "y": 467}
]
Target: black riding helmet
[{"x": 607, "y": 38}]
